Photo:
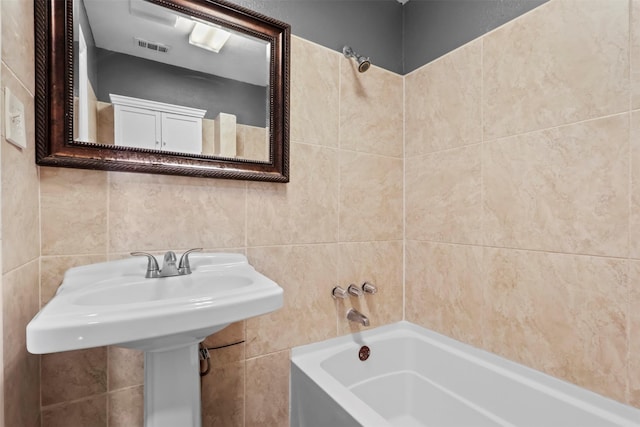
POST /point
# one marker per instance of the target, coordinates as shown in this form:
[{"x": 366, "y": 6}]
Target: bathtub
[{"x": 416, "y": 377}]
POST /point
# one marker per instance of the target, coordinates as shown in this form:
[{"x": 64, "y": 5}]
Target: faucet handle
[
  {"x": 354, "y": 290},
  {"x": 338, "y": 292},
  {"x": 183, "y": 265},
  {"x": 153, "y": 270},
  {"x": 369, "y": 288}
]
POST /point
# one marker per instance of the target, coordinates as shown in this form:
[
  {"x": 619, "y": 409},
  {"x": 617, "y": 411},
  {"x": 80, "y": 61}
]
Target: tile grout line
[
  {"x": 483, "y": 277},
  {"x": 340, "y": 151},
  {"x": 404, "y": 198},
  {"x": 629, "y": 210}
]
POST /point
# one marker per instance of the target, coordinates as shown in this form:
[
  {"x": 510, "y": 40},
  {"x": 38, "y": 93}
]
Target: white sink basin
[{"x": 112, "y": 303}]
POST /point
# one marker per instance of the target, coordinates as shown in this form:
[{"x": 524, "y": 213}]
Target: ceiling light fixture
[{"x": 208, "y": 37}]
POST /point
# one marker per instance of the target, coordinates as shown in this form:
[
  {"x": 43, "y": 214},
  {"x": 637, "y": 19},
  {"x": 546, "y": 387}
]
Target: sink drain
[{"x": 364, "y": 353}]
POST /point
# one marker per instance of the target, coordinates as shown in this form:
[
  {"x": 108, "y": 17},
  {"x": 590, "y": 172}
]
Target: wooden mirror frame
[{"x": 55, "y": 145}]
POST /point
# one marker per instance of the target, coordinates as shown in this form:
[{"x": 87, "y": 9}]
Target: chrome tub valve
[
  {"x": 354, "y": 290},
  {"x": 369, "y": 288},
  {"x": 338, "y": 293}
]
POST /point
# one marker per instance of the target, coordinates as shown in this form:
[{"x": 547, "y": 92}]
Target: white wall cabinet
[{"x": 155, "y": 125}]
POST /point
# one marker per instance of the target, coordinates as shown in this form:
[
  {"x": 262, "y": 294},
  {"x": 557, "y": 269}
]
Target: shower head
[{"x": 363, "y": 63}]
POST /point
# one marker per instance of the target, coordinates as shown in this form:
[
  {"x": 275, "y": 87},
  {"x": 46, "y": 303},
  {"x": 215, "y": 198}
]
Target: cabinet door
[
  {"x": 137, "y": 127},
  {"x": 181, "y": 133}
]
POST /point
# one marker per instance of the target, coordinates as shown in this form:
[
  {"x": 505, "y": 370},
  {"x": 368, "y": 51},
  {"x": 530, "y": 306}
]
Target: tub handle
[
  {"x": 338, "y": 293},
  {"x": 369, "y": 288},
  {"x": 354, "y": 290}
]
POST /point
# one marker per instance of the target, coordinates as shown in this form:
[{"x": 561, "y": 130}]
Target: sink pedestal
[{"x": 172, "y": 387}]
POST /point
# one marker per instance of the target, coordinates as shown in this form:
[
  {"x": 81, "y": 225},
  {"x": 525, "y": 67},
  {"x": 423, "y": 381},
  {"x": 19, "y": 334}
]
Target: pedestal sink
[{"x": 112, "y": 303}]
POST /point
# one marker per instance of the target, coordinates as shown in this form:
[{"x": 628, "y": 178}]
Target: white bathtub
[{"x": 416, "y": 377}]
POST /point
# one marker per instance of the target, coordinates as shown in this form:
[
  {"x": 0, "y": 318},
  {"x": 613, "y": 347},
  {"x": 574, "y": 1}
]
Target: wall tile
[
  {"x": 443, "y": 196},
  {"x": 379, "y": 263},
  {"x": 371, "y": 110},
  {"x": 52, "y": 271},
  {"x": 314, "y": 93},
  {"x": 634, "y": 218},
  {"x": 74, "y": 211},
  {"x": 268, "y": 391},
  {"x": 231, "y": 334},
  {"x": 563, "y": 189},
  {"x": 444, "y": 289},
  {"x": 635, "y": 53},
  {"x": 17, "y": 41},
  {"x": 370, "y": 197},
  {"x": 20, "y": 187},
  {"x": 563, "y": 314},
  {"x": 21, "y": 369},
  {"x": 634, "y": 333},
  {"x": 73, "y": 375},
  {"x": 156, "y": 212},
  {"x": 89, "y": 412},
  {"x": 126, "y": 407},
  {"x": 551, "y": 67},
  {"x": 303, "y": 211},
  {"x": 442, "y": 105},
  {"x": 223, "y": 390},
  {"x": 125, "y": 367},
  {"x": 306, "y": 274},
  {"x": 634, "y": 363}
]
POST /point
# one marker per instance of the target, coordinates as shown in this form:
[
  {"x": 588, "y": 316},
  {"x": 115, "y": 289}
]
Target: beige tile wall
[
  {"x": 20, "y": 219},
  {"x": 521, "y": 217},
  {"x": 522, "y": 195},
  {"x": 338, "y": 221}
]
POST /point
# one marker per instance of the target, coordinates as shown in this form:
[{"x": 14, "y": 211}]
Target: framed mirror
[{"x": 181, "y": 87}]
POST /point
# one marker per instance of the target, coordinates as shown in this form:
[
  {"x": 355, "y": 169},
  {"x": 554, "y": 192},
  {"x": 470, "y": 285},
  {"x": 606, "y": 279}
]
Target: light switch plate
[{"x": 14, "y": 119}]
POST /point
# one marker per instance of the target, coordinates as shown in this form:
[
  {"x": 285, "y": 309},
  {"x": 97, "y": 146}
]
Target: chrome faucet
[
  {"x": 169, "y": 268},
  {"x": 355, "y": 316}
]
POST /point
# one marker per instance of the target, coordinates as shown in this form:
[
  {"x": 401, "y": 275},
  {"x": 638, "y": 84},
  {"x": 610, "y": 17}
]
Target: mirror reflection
[{"x": 153, "y": 78}]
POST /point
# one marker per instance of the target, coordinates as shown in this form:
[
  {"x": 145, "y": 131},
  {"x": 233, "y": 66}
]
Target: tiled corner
[
  {"x": 444, "y": 289},
  {"x": 146, "y": 212},
  {"x": 303, "y": 211},
  {"x": 379, "y": 263},
  {"x": 20, "y": 185},
  {"x": 73, "y": 375},
  {"x": 314, "y": 93},
  {"x": 18, "y": 40},
  {"x": 370, "y": 197},
  {"x": 563, "y": 314},
  {"x": 442, "y": 102},
  {"x": 52, "y": 271},
  {"x": 443, "y": 196},
  {"x": 267, "y": 394},
  {"x": 21, "y": 369},
  {"x": 88, "y": 412},
  {"x": 74, "y": 211},
  {"x": 371, "y": 110},
  {"x": 125, "y": 368},
  {"x": 564, "y": 189},
  {"x": 307, "y": 274},
  {"x": 126, "y": 407},
  {"x": 552, "y": 67}
]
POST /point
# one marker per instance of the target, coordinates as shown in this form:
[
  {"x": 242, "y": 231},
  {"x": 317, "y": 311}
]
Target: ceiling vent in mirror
[{"x": 146, "y": 44}]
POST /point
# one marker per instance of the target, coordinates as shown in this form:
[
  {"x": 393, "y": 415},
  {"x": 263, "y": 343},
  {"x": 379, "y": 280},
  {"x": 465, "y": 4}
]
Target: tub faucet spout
[{"x": 355, "y": 316}]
